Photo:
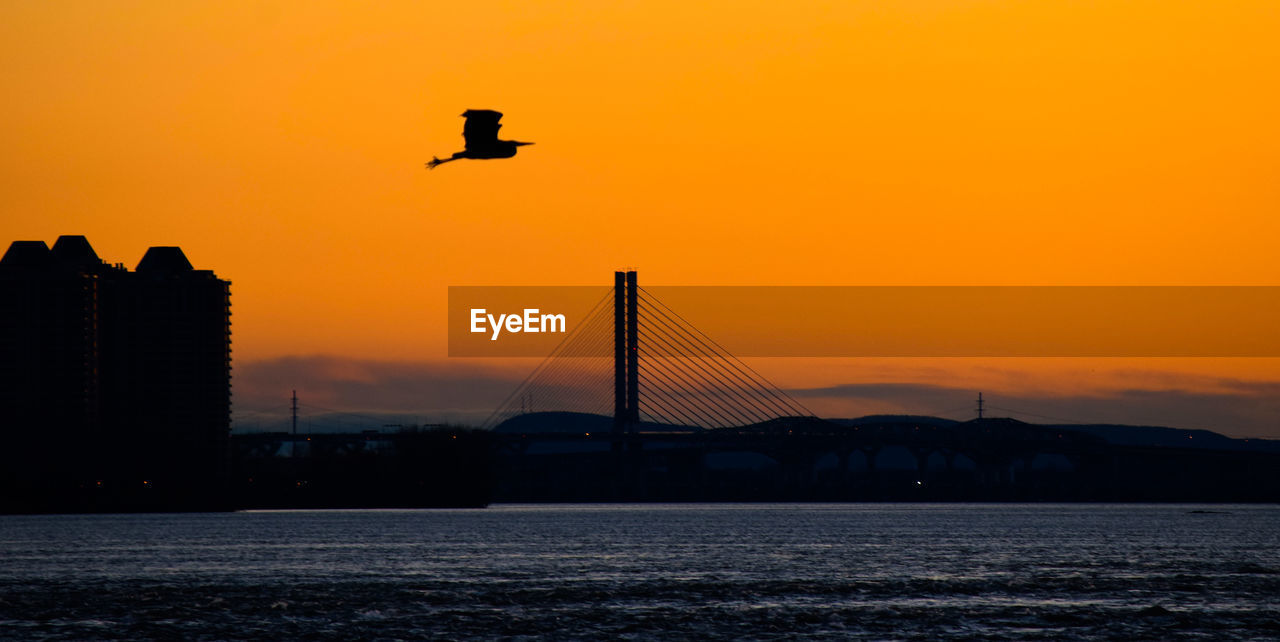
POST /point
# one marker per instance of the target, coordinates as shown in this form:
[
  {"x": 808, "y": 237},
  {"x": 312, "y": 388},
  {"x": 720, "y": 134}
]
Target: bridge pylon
[{"x": 626, "y": 352}]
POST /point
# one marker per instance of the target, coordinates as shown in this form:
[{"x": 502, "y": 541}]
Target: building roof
[
  {"x": 164, "y": 260},
  {"x": 27, "y": 254},
  {"x": 75, "y": 250}
]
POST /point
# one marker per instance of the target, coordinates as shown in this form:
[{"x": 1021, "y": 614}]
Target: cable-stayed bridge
[{"x": 637, "y": 403}]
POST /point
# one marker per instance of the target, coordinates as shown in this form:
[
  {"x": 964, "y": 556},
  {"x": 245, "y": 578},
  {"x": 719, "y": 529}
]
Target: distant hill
[
  {"x": 569, "y": 422},
  {"x": 1118, "y": 435},
  {"x": 894, "y": 419},
  {"x": 1159, "y": 436}
]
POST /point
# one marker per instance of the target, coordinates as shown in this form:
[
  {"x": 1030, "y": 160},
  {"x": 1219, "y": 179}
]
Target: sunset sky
[{"x": 907, "y": 142}]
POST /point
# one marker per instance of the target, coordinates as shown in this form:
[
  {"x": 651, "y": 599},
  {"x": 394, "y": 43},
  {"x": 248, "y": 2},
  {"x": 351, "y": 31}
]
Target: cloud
[
  {"x": 337, "y": 393},
  {"x": 367, "y": 391}
]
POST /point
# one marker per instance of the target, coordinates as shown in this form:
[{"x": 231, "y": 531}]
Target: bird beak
[{"x": 519, "y": 143}]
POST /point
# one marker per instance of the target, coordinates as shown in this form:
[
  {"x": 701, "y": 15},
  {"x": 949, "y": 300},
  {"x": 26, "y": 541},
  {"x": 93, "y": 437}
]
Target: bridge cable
[
  {"x": 695, "y": 379},
  {"x": 767, "y": 385},
  {"x": 667, "y": 376},
  {"x": 720, "y": 365}
]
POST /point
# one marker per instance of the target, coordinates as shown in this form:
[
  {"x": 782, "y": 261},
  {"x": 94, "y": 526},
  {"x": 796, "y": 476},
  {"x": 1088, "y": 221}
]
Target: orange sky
[{"x": 842, "y": 143}]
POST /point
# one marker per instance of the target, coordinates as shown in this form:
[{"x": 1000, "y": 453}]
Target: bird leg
[{"x": 436, "y": 161}]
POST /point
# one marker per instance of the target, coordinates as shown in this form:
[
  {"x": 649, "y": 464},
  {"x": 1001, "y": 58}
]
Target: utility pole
[
  {"x": 294, "y": 408},
  {"x": 979, "y": 405}
]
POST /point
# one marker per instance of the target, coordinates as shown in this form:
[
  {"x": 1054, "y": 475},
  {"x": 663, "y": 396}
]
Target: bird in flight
[{"x": 481, "y": 136}]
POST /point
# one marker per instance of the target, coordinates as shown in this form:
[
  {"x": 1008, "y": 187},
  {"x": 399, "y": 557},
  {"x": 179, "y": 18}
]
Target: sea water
[{"x": 721, "y": 571}]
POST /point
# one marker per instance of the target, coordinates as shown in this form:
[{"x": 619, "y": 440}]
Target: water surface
[{"x": 748, "y": 571}]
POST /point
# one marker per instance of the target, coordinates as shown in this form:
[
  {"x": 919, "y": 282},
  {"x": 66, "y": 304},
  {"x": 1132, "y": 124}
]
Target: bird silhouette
[{"x": 481, "y": 136}]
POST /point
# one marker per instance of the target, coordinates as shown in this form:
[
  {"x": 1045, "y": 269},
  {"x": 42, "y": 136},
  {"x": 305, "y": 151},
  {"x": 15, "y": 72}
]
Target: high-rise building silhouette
[{"x": 114, "y": 384}]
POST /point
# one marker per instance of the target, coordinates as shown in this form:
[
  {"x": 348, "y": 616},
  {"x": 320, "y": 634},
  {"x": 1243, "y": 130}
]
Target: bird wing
[{"x": 481, "y": 129}]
